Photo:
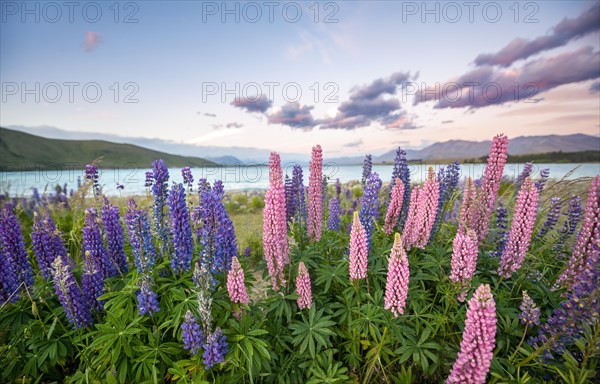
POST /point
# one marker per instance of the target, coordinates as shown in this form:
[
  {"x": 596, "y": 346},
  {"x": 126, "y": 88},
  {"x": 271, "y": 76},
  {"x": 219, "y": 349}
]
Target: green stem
[
  {"x": 590, "y": 347},
  {"x": 520, "y": 343},
  {"x": 539, "y": 350}
]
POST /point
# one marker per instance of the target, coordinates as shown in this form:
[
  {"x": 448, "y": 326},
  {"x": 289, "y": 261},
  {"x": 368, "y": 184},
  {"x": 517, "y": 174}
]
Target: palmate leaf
[{"x": 312, "y": 332}]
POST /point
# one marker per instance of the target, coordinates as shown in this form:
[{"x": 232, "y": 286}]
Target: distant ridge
[{"x": 20, "y": 151}]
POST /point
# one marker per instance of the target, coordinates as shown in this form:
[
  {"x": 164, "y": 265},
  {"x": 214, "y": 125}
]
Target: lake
[{"x": 255, "y": 176}]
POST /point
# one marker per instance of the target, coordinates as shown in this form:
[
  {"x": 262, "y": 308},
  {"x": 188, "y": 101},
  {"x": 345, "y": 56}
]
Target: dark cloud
[
  {"x": 595, "y": 88},
  {"x": 493, "y": 86},
  {"x": 234, "y": 125},
  {"x": 354, "y": 144},
  {"x": 561, "y": 34},
  {"x": 293, "y": 115},
  {"x": 380, "y": 86},
  {"x": 256, "y": 104}
]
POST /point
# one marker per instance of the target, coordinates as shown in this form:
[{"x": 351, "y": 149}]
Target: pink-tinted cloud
[
  {"x": 487, "y": 85},
  {"x": 293, "y": 115},
  {"x": 92, "y": 39},
  {"x": 253, "y": 104},
  {"x": 562, "y": 33}
]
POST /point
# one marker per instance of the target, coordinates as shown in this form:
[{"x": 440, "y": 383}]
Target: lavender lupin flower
[
  {"x": 333, "y": 222},
  {"x": 215, "y": 349},
  {"x": 525, "y": 173},
  {"x": 13, "y": 248},
  {"x": 551, "y": 219},
  {"x": 299, "y": 191},
  {"x": 188, "y": 178},
  {"x": 530, "y": 313},
  {"x": 541, "y": 182},
  {"x": 396, "y": 288},
  {"x": 114, "y": 236},
  {"x": 573, "y": 216},
  {"x": 47, "y": 244},
  {"x": 369, "y": 204},
  {"x": 70, "y": 296},
  {"x": 181, "y": 230},
  {"x": 479, "y": 337},
  {"x": 191, "y": 333},
  {"x": 367, "y": 168}
]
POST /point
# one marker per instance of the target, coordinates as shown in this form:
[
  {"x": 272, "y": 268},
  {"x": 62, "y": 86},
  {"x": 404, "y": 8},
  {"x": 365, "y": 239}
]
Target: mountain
[
  {"x": 24, "y": 151},
  {"x": 221, "y": 155},
  {"x": 522, "y": 145}
]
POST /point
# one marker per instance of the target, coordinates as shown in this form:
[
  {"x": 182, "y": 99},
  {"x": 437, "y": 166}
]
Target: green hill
[{"x": 23, "y": 151}]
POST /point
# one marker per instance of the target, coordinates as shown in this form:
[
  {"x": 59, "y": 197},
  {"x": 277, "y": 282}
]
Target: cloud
[
  {"x": 487, "y": 85},
  {"x": 447, "y": 121},
  {"x": 561, "y": 34},
  {"x": 307, "y": 45},
  {"x": 207, "y": 114},
  {"x": 595, "y": 88},
  {"x": 293, "y": 115},
  {"x": 354, "y": 144},
  {"x": 92, "y": 39},
  {"x": 234, "y": 125},
  {"x": 256, "y": 104}
]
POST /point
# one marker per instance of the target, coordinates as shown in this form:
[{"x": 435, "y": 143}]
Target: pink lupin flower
[
  {"x": 396, "y": 287},
  {"x": 521, "y": 229},
  {"x": 395, "y": 207},
  {"x": 410, "y": 227},
  {"x": 479, "y": 337},
  {"x": 274, "y": 225},
  {"x": 428, "y": 205},
  {"x": 588, "y": 235},
  {"x": 490, "y": 184},
  {"x": 236, "y": 287},
  {"x": 467, "y": 205},
  {"x": 358, "y": 250},
  {"x": 303, "y": 287},
  {"x": 315, "y": 195},
  {"x": 464, "y": 260}
]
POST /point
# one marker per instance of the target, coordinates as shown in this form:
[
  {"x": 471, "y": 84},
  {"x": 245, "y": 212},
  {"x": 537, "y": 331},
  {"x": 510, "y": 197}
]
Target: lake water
[{"x": 254, "y": 176}]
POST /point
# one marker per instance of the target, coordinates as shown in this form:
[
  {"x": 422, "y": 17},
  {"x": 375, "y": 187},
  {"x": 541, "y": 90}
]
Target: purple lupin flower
[
  {"x": 9, "y": 281},
  {"x": 333, "y": 222},
  {"x": 91, "y": 173},
  {"x": 521, "y": 230},
  {"x": 551, "y": 219},
  {"x": 573, "y": 216},
  {"x": 464, "y": 261},
  {"x": 140, "y": 238},
  {"x": 448, "y": 182},
  {"x": 541, "y": 182},
  {"x": 13, "y": 248},
  {"x": 402, "y": 172},
  {"x": 114, "y": 236},
  {"x": 93, "y": 246},
  {"x": 396, "y": 287},
  {"x": 181, "y": 230},
  {"x": 147, "y": 299},
  {"x": 298, "y": 191},
  {"x": 215, "y": 349},
  {"x": 188, "y": 178},
  {"x": 338, "y": 189},
  {"x": 247, "y": 251},
  {"x": 160, "y": 190},
  {"x": 149, "y": 179},
  {"x": 479, "y": 337},
  {"x": 367, "y": 168},
  {"x": 191, "y": 333},
  {"x": 303, "y": 287},
  {"x": 369, "y": 204},
  {"x": 530, "y": 312},
  {"x": 589, "y": 235},
  {"x": 69, "y": 294},
  {"x": 525, "y": 173},
  {"x": 315, "y": 195},
  {"x": 47, "y": 244},
  {"x": 501, "y": 229},
  {"x": 92, "y": 282}
]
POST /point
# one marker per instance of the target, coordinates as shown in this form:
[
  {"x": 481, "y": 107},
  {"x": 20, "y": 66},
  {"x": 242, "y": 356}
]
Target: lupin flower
[
  {"x": 9, "y": 281},
  {"x": 47, "y": 244},
  {"x": 369, "y": 204},
  {"x": 395, "y": 207},
  {"x": 91, "y": 173},
  {"x": 501, "y": 229},
  {"x": 191, "y": 333},
  {"x": 140, "y": 238},
  {"x": 525, "y": 173},
  {"x": 367, "y": 167},
  {"x": 468, "y": 208},
  {"x": 188, "y": 178},
  {"x": 589, "y": 235},
  {"x": 92, "y": 282},
  {"x": 70, "y": 295},
  {"x": 551, "y": 219},
  {"x": 181, "y": 230},
  {"x": 274, "y": 224},
  {"x": 333, "y": 222},
  {"x": 448, "y": 181},
  {"x": 215, "y": 349},
  {"x": 464, "y": 261},
  {"x": 479, "y": 337},
  {"x": 521, "y": 230},
  {"x": 202, "y": 281},
  {"x": 290, "y": 202},
  {"x": 338, "y": 189},
  {"x": 114, "y": 236},
  {"x": 402, "y": 172},
  {"x": 396, "y": 287},
  {"x": 149, "y": 179},
  {"x": 490, "y": 184},
  {"x": 427, "y": 209},
  {"x": 235, "y": 283},
  {"x": 147, "y": 299},
  {"x": 303, "y": 287},
  {"x": 160, "y": 190},
  {"x": 315, "y": 195},
  {"x": 410, "y": 226},
  {"x": 541, "y": 182},
  {"x": 247, "y": 251},
  {"x": 530, "y": 313},
  {"x": 573, "y": 217},
  {"x": 299, "y": 191},
  {"x": 358, "y": 250},
  {"x": 13, "y": 249},
  {"x": 93, "y": 247}
]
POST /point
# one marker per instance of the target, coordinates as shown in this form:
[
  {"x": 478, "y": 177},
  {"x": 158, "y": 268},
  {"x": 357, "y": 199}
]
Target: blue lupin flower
[
  {"x": 47, "y": 243},
  {"x": 114, "y": 236},
  {"x": 333, "y": 223},
  {"x": 160, "y": 190},
  {"x": 541, "y": 182},
  {"x": 91, "y": 173},
  {"x": 215, "y": 348},
  {"x": 70, "y": 295},
  {"x": 188, "y": 178},
  {"x": 93, "y": 247},
  {"x": 147, "y": 299},
  {"x": 140, "y": 238},
  {"x": 370, "y": 204},
  {"x": 9, "y": 280},
  {"x": 573, "y": 216},
  {"x": 13, "y": 248},
  {"x": 180, "y": 230},
  {"x": 191, "y": 333},
  {"x": 551, "y": 219},
  {"x": 448, "y": 182}
]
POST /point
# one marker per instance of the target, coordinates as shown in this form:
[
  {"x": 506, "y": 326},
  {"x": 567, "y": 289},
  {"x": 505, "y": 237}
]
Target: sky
[{"x": 356, "y": 77}]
